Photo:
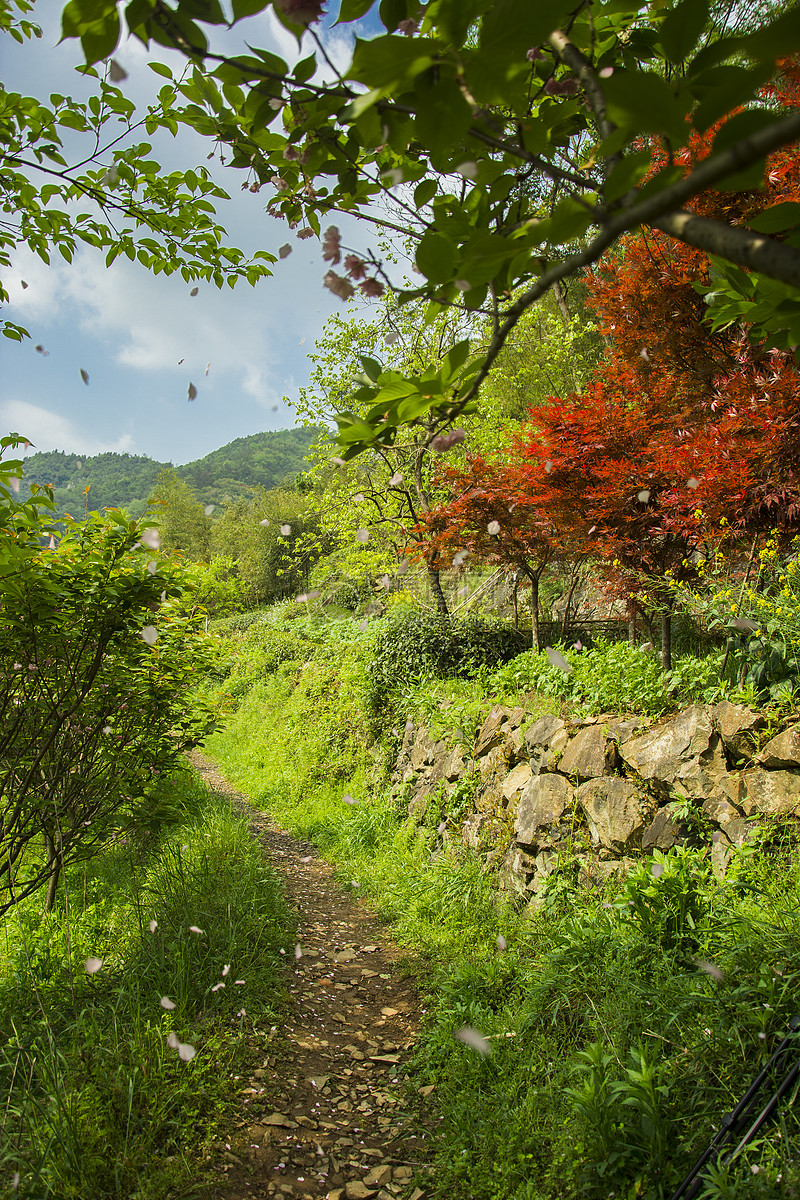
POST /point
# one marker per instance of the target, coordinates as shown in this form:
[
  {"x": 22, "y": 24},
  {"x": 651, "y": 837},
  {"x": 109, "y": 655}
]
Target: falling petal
[
  {"x": 358, "y": 498},
  {"x": 693, "y": 483},
  {"x": 217, "y": 986},
  {"x": 265, "y": 522},
  {"x": 493, "y": 528},
  {"x": 338, "y": 462},
  {"x": 577, "y": 645},
  {"x": 298, "y": 952},
  {"x": 557, "y": 659},
  {"x": 14, "y": 485},
  {"x": 192, "y": 392},
  {"x": 153, "y": 926},
  {"x": 657, "y": 870},
  {"x": 286, "y": 530},
  {"x": 710, "y": 968},
  {"x": 362, "y": 535},
  {"x": 643, "y": 496},
  {"x": 172, "y": 1040},
  {"x": 744, "y": 625},
  {"x": 469, "y": 170},
  {"x": 93, "y": 965},
  {"x": 238, "y": 983},
  {"x": 502, "y": 944},
  {"x": 150, "y": 634},
  {"x": 442, "y": 827},
  {"x": 23, "y": 285},
  {"x": 186, "y": 1052},
  {"x": 391, "y": 337},
  {"x": 152, "y": 566},
  {"x": 41, "y": 350},
  {"x": 107, "y": 729},
  {"x": 403, "y": 566},
  {"x": 194, "y": 291},
  {"x": 396, "y": 479},
  {"x": 208, "y": 367},
  {"x": 85, "y": 376},
  {"x": 225, "y": 969},
  {"x": 348, "y": 799},
  {"x": 471, "y": 1037},
  {"x": 363, "y": 625},
  {"x": 285, "y": 251},
  {"x": 460, "y": 557},
  {"x": 196, "y": 929},
  {"x": 116, "y": 73},
  {"x": 548, "y": 466},
  {"x": 166, "y": 1003}
]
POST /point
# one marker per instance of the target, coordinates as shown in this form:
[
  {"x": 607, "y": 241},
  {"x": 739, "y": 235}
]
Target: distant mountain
[{"x": 126, "y": 480}]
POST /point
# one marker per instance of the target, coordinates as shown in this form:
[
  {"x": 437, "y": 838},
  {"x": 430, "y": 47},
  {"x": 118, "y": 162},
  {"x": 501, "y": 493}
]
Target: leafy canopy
[{"x": 513, "y": 142}]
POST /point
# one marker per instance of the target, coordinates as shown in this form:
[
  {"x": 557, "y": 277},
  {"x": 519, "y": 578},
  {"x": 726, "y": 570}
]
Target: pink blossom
[
  {"x": 331, "y": 245},
  {"x": 445, "y": 441},
  {"x": 305, "y": 232},
  {"x": 340, "y": 286},
  {"x": 355, "y": 266},
  {"x": 291, "y": 153},
  {"x": 372, "y": 287},
  {"x": 534, "y": 55},
  {"x": 279, "y": 184},
  {"x": 562, "y": 87},
  {"x": 408, "y": 28},
  {"x": 301, "y": 12}
]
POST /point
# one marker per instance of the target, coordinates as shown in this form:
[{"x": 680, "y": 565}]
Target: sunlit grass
[{"x": 119, "y": 1047}]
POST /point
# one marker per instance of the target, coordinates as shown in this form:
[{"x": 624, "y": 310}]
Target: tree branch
[{"x": 742, "y": 246}]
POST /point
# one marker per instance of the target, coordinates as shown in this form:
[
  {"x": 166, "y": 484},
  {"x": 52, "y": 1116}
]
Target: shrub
[{"x": 423, "y": 644}]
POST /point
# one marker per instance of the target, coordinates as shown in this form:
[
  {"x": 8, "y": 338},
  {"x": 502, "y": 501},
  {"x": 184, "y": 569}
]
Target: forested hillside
[{"x": 127, "y": 480}]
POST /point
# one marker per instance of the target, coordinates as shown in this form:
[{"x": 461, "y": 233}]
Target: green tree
[
  {"x": 182, "y": 520},
  {"x": 517, "y": 141},
  {"x": 274, "y": 540},
  {"x": 106, "y": 191},
  {"x": 98, "y": 659}
]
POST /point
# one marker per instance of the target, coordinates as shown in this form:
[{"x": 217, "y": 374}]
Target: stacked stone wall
[{"x": 533, "y": 795}]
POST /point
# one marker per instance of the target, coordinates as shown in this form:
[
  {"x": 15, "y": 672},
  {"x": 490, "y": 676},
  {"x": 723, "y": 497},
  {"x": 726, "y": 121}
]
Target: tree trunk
[
  {"x": 535, "y": 613},
  {"x": 568, "y": 605},
  {"x": 54, "y": 861},
  {"x": 632, "y": 627},
  {"x": 560, "y": 295},
  {"x": 436, "y": 588},
  {"x": 666, "y": 641},
  {"x": 514, "y": 591}
]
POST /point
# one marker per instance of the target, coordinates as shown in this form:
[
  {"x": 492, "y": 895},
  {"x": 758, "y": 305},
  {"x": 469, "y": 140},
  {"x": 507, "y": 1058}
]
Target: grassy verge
[
  {"x": 612, "y": 1053},
  {"x": 96, "y": 1103}
]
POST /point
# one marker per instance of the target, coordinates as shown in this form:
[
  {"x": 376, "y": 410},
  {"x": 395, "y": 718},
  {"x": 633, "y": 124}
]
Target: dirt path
[{"x": 323, "y": 1114}]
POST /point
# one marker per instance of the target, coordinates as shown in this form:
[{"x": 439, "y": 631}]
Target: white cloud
[{"x": 50, "y": 431}]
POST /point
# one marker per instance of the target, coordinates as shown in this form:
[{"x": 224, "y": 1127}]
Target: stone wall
[{"x": 532, "y": 795}]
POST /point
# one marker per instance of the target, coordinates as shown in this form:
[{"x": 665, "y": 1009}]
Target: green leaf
[
  {"x": 509, "y": 29},
  {"x": 392, "y": 12},
  {"x": 351, "y": 10},
  {"x": 455, "y": 17},
  {"x": 425, "y": 191},
  {"x": 682, "y": 28},
  {"x": 388, "y": 61},
  {"x": 731, "y": 134},
  {"x": 372, "y": 368},
  {"x": 777, "y": 218},
  {"x": 160, "y": 69},
  {"x": 443, "y": 115},
  {"x": 436, "y": 257},
  {"x": 246, "y": 8},
  {"x": 455, "y": 358},
  {"x": 305, "y": 68},
  {"x": 643, "y": 102}
]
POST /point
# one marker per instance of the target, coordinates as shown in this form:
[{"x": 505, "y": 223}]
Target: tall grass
[
  {"x": 95, "y": 1103},
  {"x": 615, "y": 1047}
]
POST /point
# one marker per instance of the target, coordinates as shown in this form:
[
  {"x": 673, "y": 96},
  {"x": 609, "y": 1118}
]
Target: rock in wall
[{"x": 598, "y": 793}]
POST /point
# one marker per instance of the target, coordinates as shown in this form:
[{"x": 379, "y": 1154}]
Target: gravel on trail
[{"x": 324, "y": 1113}]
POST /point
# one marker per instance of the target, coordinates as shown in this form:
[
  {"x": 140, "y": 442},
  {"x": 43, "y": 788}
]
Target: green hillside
[{"x": 126, "y": 480}]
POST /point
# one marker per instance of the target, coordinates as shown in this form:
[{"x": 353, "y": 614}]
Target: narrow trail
[{"x": 323, "y": 1113}]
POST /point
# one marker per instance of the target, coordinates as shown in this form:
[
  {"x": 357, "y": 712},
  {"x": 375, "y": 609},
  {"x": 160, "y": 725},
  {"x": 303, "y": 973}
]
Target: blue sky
[{"x": 129, "y": 330}]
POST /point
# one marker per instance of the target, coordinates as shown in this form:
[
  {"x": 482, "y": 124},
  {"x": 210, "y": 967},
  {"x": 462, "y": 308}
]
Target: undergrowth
[
  {"x": 95, "y": 1101},
  {"x": 622, "y": 1022}
]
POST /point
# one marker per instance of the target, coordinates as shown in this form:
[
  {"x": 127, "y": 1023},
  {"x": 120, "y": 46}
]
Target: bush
[{"x": 414, "y": 644}]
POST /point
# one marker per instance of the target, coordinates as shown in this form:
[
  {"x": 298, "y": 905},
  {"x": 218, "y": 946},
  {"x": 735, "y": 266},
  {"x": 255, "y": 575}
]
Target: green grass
[
  {"x": 613, "y": 1054},
  {"x": 95, "y": 1102}
]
